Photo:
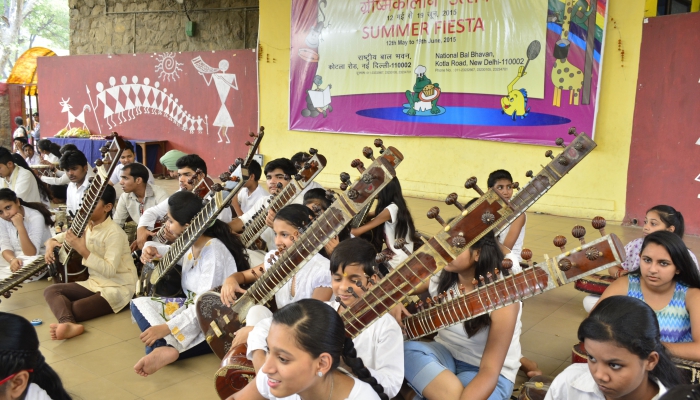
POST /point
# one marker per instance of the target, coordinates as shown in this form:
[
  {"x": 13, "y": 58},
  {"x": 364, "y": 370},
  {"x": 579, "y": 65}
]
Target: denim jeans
[
  {"x": 198, "y": 350},
  {"x": 423, "y": 361}
]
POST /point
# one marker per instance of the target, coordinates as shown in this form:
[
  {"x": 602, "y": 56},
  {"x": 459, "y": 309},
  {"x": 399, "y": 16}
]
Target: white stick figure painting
[{"x": 224, "y": 83}]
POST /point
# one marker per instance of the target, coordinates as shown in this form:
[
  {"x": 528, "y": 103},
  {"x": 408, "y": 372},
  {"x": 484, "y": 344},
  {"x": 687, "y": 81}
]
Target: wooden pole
[{"x": 590, "y": 49}]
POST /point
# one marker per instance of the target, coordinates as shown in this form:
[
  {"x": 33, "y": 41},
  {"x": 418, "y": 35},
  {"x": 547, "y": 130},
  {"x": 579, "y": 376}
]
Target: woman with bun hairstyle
[
  {"x": 306, "y": 342},
  {"x": 626, "y": 356},
  {"x": 24, "y": 373}
]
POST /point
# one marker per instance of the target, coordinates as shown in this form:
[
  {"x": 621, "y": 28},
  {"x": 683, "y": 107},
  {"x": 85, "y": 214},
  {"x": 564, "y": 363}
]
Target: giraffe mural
[{"x": 565, "y": 76}]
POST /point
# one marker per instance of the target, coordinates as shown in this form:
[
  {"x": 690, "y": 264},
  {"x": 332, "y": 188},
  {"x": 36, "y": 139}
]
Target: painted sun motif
[{"x": 168, "y": 67}]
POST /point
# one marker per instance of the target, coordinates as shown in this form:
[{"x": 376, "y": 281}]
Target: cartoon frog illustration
[
  {"x": 424, "y": 95},
  {"x": 515, "y": 103}
]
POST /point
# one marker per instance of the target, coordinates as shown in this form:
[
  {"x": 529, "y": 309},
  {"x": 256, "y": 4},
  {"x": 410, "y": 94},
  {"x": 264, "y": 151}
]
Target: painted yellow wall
[{"x": 435, "y": 167}]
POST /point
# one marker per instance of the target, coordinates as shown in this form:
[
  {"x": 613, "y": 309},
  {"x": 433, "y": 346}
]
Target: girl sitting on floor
[
  {"x": 668, "y": 281},
  {"x": 112, "y": 282},
  {"x": 24, "y": 228},
  {"x": 312, "y": 281},
  {"x": 626, "y": 357},
  {"x": 169, "y": 325},
  {"x": 476, "y": 359},
  {"x": 392, "y": 220},
  {"x": 306, "y": 342},
  {"x": 24, "y": 374}
]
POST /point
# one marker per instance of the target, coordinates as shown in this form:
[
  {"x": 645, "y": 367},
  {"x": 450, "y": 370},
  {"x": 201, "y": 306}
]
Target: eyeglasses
[{"x": 15, "y": 374}]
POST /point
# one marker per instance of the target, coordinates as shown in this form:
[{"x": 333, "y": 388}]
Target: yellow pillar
[{"x": 650, "y": 8}]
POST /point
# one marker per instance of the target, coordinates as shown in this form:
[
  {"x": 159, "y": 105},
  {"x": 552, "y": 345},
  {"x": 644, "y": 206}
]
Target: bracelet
[{"x": 13, "y": 259}]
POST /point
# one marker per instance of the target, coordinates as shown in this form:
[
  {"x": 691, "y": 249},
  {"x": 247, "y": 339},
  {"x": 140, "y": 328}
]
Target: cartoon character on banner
[
  {"x": 313, "y": 39},
  {"x": 224, "y": 83},
  {"x": 318, "y": 101},
  {"x": 72, "y": 118},
  {"x": 422, "y": 101},
  {"x": 515, "y": 103},
  {"x": 564, "y": 75}
]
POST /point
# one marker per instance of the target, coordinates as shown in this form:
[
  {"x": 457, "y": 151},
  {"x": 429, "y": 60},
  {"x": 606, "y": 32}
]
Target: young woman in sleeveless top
[{"x": 669, "y": 282}]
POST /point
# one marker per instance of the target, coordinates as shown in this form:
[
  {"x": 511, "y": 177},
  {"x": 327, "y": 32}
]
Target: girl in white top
[
  {"x": 392, "y": 221},
  {"x": 169, "y": 325},
  {"x": 475, "y": 360},
  {"x": 305, "y": 344},
  {"x": 380, "y": 345},
  {"x": 312, "y": 281},
  {"x": 626, "y": 359},
  {"x": 24, "y": 228}
]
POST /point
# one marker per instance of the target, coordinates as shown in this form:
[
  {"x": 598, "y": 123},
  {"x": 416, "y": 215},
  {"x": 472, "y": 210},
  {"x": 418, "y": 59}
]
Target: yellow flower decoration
[
  {"x": 171, "y": 308},
  {"x": 181, "y": 337},
  {"x": 189, "y": 256}
]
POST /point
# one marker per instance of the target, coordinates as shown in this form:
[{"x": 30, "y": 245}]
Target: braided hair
[
  {"x": 19, "y": 350},
  {"x": 319, "y": 329},
  {"x": 490, "y": 257}
]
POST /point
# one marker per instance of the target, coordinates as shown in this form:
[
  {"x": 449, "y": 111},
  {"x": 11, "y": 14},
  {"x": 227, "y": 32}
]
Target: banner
[
  {"x": 507, "y": 70},
  {"x": 202, "y": 102}
]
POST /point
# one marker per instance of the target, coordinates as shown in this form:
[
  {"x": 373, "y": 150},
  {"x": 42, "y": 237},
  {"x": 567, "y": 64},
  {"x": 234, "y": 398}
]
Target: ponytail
[
  {"x": 220, "y": 230},
  {"x": 358, "y": 368},
  {"x": 671, "y": 218}
]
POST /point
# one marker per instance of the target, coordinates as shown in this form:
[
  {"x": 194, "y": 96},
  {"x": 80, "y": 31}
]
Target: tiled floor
[{"x": 99, "y": 363}]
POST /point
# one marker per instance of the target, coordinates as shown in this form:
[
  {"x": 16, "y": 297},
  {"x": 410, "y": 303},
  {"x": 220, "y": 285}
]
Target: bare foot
[
  {"x": 68, "y": 330},
  {"x": 529, "y": 367},
  {"x": 52, "y": 331},
  {"x": 159, "y": 358}
]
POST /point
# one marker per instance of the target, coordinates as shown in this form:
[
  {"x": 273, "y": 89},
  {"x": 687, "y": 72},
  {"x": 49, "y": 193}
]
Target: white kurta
[
  {"x": 199, "y": 275},
  {"x": 314, "y": 274}
]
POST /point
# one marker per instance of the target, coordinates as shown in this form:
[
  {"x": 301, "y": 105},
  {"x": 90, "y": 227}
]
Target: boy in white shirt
[{"x": 251, "y": 192}]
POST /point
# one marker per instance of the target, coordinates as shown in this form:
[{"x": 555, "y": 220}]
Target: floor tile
[
  {"x": 109, "y": 359},
  {"x": 206, "y": 365},
  {"x": 558, "y": 326},
  {"x": 197, "y": 387},
  {"x": 546, "y": 364},
  {"x": 100, "y": 389},
  {"x": 140, "y": 386},
  {"x": 92, "y": 339},
  {"x": 547, "y": 344},
  {"x": 72, "y": 374}
]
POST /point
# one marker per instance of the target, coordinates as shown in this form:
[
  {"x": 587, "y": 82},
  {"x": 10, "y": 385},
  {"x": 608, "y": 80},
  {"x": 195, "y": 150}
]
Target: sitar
[
  {"x": 68, "y": 265},
  {"x": 485, "y": 214},
  {"x": 155, "y": 279},
  {"x": 219, "y": 323},
  {"x": 458, "y": 306},
  {"x": 307, "y": 171}
]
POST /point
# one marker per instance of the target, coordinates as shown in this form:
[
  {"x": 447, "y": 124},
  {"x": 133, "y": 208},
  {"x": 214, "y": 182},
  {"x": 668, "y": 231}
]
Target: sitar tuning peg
[
  {"x": 434, "y": 213},
  {"x": 529, "y": 174},
  {"x": 560, "y": 241},
  {"x": 104, "y": 150},
  {"x": 451, "y": 200},
  {"x": 565, "y": 264},
  {"x": 380, "y": 258},
  {"x": 579, "y": 233},
  {"x": 599, "y": 224},
  {"x": 337, "y": 298},
  {"x": 368, "y": 153},
  {"x": 549, "y": 154},
  {"x": 526, "y": 254},
  {"x": 400, "y": 244},
  {"x": 462, "y": 289},
  {"x": 515, "y": 186},
  {"x": 330, "y": 195},
  {"x": 560, "y": 142},
  {"x": 253, "y": 135},
  {"x": 352, "y": 292},
  {"x": 225, "y": 176},
  {"x": 507, "y": 264},
  {"x": 297, "y": 165},
  {"x": 99, "y": 163},
  {"x": 298, "y": 177},
  {"x": 380, "y": 143},
  {"x": 572, "y": 131},
  {"x": 313, "y": 151},
  {"x": 356, "y": 163},
  {"x": 238, "y": 161},
  {"x": 489, "y": 277},
  {"x": 217, "y": 187},
  {"x": 471, "y": 184}
]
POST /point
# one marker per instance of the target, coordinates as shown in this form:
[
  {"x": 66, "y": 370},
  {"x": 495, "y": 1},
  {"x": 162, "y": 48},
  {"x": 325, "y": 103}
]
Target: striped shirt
[{"x": 674, "y": 320}]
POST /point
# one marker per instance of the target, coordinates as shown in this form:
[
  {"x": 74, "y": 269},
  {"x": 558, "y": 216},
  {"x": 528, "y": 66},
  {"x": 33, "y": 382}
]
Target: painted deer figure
[{"x": 72, "y": 118}]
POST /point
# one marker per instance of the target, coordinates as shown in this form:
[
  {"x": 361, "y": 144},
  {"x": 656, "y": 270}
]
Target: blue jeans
[
  {"x": 423, "y": 361},
  {"x": 198, "y": 350}
]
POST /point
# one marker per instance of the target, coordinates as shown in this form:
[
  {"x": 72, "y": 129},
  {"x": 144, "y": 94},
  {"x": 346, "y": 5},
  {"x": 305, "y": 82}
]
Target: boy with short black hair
[{"x": 251, "y": 192}]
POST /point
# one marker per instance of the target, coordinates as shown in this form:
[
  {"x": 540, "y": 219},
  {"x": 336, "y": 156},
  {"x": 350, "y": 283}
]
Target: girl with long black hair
[
  {"x": 24, "y": 228},
  {"x": 668, "y": 281},
  {"x": 626, "y": 356},
  {"x": 478, "y": 359},
  {"x": 306, "y": 342},
  {"x": 169, "y": 325},
  {"x": 392, "y": 220},
  {"x": 24, "y": 374},
  {"x": 44, "y": 191}
]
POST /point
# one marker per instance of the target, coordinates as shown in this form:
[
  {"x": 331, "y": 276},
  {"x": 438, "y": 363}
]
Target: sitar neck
[{"x": 256, "y": 227}]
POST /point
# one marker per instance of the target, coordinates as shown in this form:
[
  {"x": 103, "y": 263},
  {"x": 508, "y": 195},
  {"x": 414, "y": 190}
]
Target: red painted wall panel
[
  {"x": 200, "y": 102},
  {"x": 664, "y": 167}
]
